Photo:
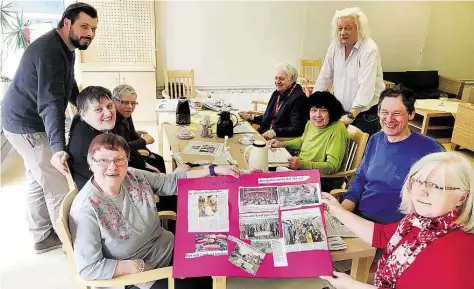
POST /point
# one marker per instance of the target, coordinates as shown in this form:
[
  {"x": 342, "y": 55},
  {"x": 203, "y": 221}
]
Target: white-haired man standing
[{"x": 354, "y": 67}]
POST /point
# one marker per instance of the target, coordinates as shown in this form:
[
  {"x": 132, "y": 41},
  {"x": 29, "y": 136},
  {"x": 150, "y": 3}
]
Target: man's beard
[{"x": 76, "y": 41}]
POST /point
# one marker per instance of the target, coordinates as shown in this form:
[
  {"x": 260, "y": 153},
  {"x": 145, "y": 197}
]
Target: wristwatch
[
  {"x": 350, "y": 115},
  {"x": 211, "y": 170}
]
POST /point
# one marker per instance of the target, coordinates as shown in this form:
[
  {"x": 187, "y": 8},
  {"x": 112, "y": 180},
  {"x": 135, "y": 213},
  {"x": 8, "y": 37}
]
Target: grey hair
[
  {"x": 123, "y": 89},
  {"x": 360, "y": 19},
  {"x": 288, "y": 69},
  {"x": 460, "y": 172}
]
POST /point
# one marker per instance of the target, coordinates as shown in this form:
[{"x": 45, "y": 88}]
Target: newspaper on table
[
  {"x": 336, "y": 228},
  {"x": 243, "y": 127},
  {"x": 258, "y": 199},
  {"x": 260, "y": 229},
  {"x": 278, "y": 155},
  {"x": 303, "y": 230},
  {"x": 166, "y": 105},
  {"x": 336, "y": 243},
  {"x": 209, "y": 245},
  {"x": 203, "y": 148},
  {"x": 293, "y": 196},
  {"x": 208, "y": 211},
  {"x": 245, "y": 256}
]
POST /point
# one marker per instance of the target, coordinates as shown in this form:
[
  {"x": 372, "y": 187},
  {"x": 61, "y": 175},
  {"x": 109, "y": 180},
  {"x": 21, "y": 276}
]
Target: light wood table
[
  {"x": 361, "y": 254},
  {"x": 440, "y": 120},
  {"x": 176, "y": 145}
]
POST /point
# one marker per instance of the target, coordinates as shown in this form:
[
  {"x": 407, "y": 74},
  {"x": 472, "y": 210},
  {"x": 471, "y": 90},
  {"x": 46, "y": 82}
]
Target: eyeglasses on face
[
  {"x": 106, "y": 162},
  {"x": 429, "y": 185},
  {"x": 127, "y": 102}
]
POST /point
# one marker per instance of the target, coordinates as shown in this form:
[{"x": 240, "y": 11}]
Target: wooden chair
[
  {"x": 451, "y": 85},
  {"x": 352, "y": 158},
  {"x": 179, "y": 83},
  {"x": 308, "y": 74},
  {"x": 72, "y": 110},
  {"x": 470, "y": 98},
  {"x": 62, "y": 229}
]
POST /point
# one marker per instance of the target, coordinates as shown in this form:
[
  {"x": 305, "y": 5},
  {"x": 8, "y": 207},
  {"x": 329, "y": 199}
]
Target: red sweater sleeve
[{"x": 382, "y": 234}]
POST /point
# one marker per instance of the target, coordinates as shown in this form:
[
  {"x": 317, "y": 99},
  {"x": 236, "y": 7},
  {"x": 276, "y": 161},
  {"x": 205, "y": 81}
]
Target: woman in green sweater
[{"x": 323, "y": 143}]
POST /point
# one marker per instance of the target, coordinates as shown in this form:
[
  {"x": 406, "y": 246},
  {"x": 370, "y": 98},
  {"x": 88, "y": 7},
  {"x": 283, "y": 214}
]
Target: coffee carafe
[
  {"x": 258, "y": 157},
  {"x": 225, "y": 126},
  {"x": 183, "y": 112}
]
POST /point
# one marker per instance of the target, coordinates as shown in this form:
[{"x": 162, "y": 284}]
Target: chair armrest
[
  {"x": 132, "y": 279},
  {"x": 337, "y": 193},
  {"x": 259, "y": 102},
  {"x": 255, "y": 112},
  {"x": 345, "y": 174},
  {"x": 167, "y": 215},
  {"x": 144, "y": 153}
]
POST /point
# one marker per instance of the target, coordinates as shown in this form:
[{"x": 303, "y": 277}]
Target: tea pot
[
  {"x": 258, "y": 157},
  {"x": 225, "y": 126}
]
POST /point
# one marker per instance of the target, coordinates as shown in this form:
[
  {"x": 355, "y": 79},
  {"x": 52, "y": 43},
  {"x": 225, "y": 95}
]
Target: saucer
[
  {"x": 185, "y": 136},
  {"x": 246, "y": 142}
]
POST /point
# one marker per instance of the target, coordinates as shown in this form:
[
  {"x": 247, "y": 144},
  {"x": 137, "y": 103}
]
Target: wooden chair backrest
[
  {"x": 451, "y": 85},
  {"x": 355, "y": 149},
  {"x": 62, "y": 223},
  {"x": 470, "y": 98},
  {"x": 179, "y": 83}
]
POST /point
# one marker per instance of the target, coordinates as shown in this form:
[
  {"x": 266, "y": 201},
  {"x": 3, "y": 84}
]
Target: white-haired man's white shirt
[{"x": 357, "y": 81}]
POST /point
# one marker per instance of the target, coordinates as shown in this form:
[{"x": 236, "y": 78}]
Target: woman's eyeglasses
[
  {"x": 429, "y": 185},
  {"x": 106, "y": 162},
  {"x": 127, "y": 102}
]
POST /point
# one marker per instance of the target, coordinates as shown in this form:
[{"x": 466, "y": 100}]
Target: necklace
[{"x": 119, "y": 213}]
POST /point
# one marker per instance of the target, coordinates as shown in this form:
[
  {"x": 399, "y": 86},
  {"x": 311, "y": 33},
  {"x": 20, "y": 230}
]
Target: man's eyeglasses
[
  {"x": 429, "y": 185},
  {"x": 127, "y": 102},
  {"x": 106, "y": 162}
]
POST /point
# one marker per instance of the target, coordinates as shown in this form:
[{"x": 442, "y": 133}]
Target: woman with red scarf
[{"x": 433, "y": 245}]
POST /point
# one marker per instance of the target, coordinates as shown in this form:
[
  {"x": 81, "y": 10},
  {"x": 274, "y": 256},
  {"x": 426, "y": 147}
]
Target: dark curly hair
[
  {"x": 325, "y": 99},
  {"x": 408, "y": 97}
]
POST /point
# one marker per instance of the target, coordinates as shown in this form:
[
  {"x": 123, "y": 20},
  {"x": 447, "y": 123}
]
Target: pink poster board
[{"x": 300, "y": 264}]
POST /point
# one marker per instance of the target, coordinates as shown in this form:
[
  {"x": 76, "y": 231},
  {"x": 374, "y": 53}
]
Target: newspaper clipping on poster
[
  {"x": 260, "y": 229},
  {"x": 299, "y": 195},
  {"x": 258, "y": 199},
  {"x": 245, "y": 256},
  {"x": 202, "y": 148},
  {"x": 336, "y": 228},
  {"x": 303, "y": 230},
  {"x": 208, "y": 211},
  {"x": 209, "y": 245}
]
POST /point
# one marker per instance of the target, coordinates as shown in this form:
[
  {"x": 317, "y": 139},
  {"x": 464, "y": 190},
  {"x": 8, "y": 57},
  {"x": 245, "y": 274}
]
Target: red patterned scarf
[{"x": 400, "y": 255}]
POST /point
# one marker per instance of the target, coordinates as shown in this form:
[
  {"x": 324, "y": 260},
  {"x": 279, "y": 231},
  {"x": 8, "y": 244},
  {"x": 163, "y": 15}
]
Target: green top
[{"x": 321, "y": 148}]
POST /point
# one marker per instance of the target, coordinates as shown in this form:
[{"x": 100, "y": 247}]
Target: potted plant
[{"x": 14, "y": 35}]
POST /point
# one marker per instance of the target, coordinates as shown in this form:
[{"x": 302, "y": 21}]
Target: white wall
[
  {"x": 238, "y": 43},
  {"x": 449, "y": 44}
]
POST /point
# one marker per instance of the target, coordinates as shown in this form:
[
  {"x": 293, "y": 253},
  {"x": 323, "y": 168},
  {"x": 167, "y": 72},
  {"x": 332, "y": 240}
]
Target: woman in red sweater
[{"x": 433, "y": 245}]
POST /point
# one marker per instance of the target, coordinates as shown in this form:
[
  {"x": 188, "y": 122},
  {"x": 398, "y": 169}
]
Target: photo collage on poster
[{"x": 269, "y": 216}]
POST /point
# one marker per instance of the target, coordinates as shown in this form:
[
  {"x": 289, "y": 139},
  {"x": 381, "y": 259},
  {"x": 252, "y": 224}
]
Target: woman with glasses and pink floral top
[
  {"x": 113, "y": 220},
  {"x": 433, "y": 245}
]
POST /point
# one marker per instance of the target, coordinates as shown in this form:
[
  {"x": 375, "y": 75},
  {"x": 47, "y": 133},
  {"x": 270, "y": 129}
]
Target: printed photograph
[
  {"x": 255, "y": 228},
  {"x": 207, "y": 205},
  {"x": 303, "y": 230},
  {"x": 211, "y": 242},
  {"x": 300, "y": 195},
  {"x": 258, "y": 199},
  {"x": 246, "y": 258},
  {"x": 262, "y": 245},
  {"x": 207, "y": 149}
]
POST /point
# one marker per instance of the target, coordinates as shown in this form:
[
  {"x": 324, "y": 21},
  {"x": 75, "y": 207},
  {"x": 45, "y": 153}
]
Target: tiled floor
[{"x": 20, "y": 268}]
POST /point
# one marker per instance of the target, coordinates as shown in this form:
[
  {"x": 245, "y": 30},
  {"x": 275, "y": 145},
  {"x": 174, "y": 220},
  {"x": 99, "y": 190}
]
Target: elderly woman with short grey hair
[{"x": 286, "y": 113}]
